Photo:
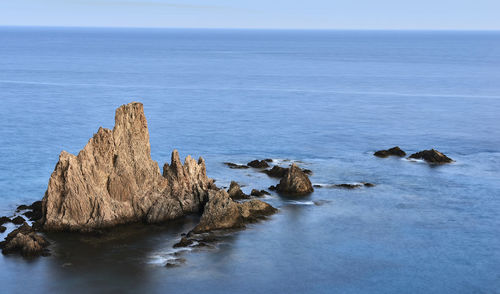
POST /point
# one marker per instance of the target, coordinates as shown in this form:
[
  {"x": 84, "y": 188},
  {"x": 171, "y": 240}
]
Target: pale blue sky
[{"x": 306, "y": 14}]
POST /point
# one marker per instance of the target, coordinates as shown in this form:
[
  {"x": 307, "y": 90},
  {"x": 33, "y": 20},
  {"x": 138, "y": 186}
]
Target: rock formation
[
  {"x": 221, "y": 212},
  {"x": 258, "y": 164},
  {"x": 236, "y": 166},
  {"x": 295, "y": 182},
  {"x": 394, "y": 151},
  {"x": 25, "y": 241},
  {"x": 279, "y": 172},
  {"x": 113, "y": 180},
  {"x": 431, "y": 156},
  {"x": 258, "y": 193},
  {"x": 276, "y": 172},
  {"x": 235, "y": 192}
]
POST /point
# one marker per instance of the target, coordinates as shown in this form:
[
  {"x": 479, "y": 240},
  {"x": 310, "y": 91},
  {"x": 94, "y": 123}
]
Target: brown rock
[
  {"x": 184, "y": 242},
  {"x": 258, "y": 164},
  {"x": 25, "y": 241},
  {"x": 235, "y": 192},
  {"x": 432, "y": 156},
  {"x": 4, "y": 220},
  {"x": 295, "y": 182},
  {"x": 18, "y": 220},
  {"x": 221, "y": 212},
  {"x": 113, "y": 180},
  {"x": 258, "y": 193},
  {"x": 394, "y": 151},
  {"x": 235, "y": 166},
  {"x": 276, "y": 171}
]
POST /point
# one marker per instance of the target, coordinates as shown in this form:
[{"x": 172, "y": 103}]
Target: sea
[{"x": 323, "y": 99}]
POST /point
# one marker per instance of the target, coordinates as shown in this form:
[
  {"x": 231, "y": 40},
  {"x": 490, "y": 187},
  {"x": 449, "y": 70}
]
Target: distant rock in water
[
  {"x": 295, "y": 182},
  {"x": 394, "y": 151},
  {"x": 236, "y": 166},
  {"x": 235, "y": 192},
  {"x": 346, "y": 186},
  {"x": 258, "y": 164},
  {"x": 276, "y": 171},
  {"x": 113, "y": 180},
  {"x": 258, "y": 193},
  {"x": 221, "y": 212},
  {"x": 431, "y": 156},
  {"x": 279, "y": 172},
  {"x": 26, "y": 241},
  {"x": 2, "y": 229}
]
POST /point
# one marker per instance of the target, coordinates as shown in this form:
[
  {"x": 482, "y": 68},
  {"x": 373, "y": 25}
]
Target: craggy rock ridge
[
  {"x": 394, "y": 151},
  {"x": 235, "y": 192},
  {"x": 113, "y": 180},
  {"x": 432, "y": 156},
  {"x": 295, "y": 182},
  {"x": 221, "y": 212}
]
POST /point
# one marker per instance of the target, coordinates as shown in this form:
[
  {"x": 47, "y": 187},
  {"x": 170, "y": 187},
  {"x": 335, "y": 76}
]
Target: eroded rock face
[
  {"x": 221, "y": 212},
  {"x": 295, "y": 182},
  {"x": 25, "y": 241},
  {"x": 431, "y": 156},
  {"x": 235, "y": 192},
  {"x": 394, "y": 151},
  {"x": 113, "y": 180}
]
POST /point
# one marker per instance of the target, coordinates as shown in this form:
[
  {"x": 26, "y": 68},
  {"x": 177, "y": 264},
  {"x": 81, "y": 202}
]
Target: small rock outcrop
[
  {"x": 2, "y": 229},
  {"x": 236, "y": 166},
  {"x": 276, "y": 171},
  {"x": 258, "y": 193},
  {"x": 258, "y": 164},
  {"x": 394, "y": 151},
  {"x": 235, "y": 192},
  {"x": 26, "y": 241},
  {"x": 295, "y": 182},
  {"x": 432, "y": 156},
  {"x": 18, "y": 220},
  {"x": 221, "y": 212},
  {"x": 4, "y": 220},
  {"x": 113, "y": 180}
]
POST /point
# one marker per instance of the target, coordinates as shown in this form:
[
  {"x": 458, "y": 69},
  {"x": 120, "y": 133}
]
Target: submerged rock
[
  {"x": 431, "y": 156},
  {"x": 258, "y": 164},
  {"x": 236, "y": 166},
  {"x": 221, "y": 212},
  {"x": 26, "y": 241},
  {"x": 2, "y": 229},
  {"x": 295, "y": 182},
  {"x": 272, "y": 188},
  {"x": 394, "y": 151},
  {"x": 235, "y": 192},
  {"x": 113, "y": 180},
  {"x": 22, "y": 207},
  {"x": 346, "y": 186},
  {"x": 184, "y": 242}
]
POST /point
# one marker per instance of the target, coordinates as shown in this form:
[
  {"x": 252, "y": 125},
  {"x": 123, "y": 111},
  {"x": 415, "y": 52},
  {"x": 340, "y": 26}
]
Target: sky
[{"x": 273, "y": 14}]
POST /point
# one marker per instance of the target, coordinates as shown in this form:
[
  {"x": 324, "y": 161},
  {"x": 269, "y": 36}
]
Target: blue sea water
[{"x": 327, "y": 99}]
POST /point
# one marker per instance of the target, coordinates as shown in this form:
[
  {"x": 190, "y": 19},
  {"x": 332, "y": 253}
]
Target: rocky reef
[
  {"x": 26, "y": 241},
  {"x": 431, "y": 156},
  {"x": 394, "y": 151}
]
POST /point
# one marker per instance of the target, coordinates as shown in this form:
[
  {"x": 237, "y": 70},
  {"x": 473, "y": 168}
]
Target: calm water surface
[{"x": 325, "y": 98}]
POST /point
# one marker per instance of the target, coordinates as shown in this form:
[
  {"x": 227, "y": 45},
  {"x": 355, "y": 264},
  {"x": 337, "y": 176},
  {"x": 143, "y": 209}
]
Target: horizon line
[{"x": 249, "y": 28}]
